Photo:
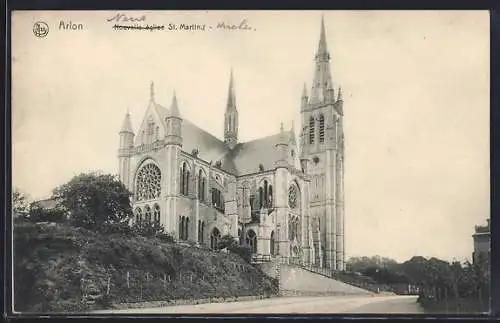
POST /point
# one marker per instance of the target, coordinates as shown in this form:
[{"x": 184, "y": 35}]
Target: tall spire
[
  {"x": 322, "y": 87},
  {"x": 231, "y": 116},
  {"x": 339, "y": 96},
  {"x": 322, "y": 47},
  {"x": 231, "y": 99}
]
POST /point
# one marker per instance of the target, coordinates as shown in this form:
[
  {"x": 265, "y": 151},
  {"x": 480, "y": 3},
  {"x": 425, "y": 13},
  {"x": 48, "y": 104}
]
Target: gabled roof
[
  {"x": 245, "y": 158},
  {"x": 210, "y": 148},
  {"x": 249, "y": 155},
  {"x": 48, "y": 204}
]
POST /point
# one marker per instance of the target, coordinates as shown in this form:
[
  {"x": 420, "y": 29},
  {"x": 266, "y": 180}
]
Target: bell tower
[{"x": 321, "y": 114}]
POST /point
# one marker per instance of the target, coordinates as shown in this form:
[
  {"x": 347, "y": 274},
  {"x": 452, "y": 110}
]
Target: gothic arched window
[
  {"x": 185, "y": 177},
  {"x": 147, "y": 214},
  {"x": 217, "y": 200},
  {"x": 311, "y": 130},
  {"x": 321, "y": 128},
  {"x": 201, "y": 186},
  {"x": 148, "y": 183},
  {"x": 251, "y": 240},
  {"x": 202, "y": 231},
  {"x": 138, "y": 215},
  {"x": 156, "y": 213},
  {"x": 214, "y": 238}
]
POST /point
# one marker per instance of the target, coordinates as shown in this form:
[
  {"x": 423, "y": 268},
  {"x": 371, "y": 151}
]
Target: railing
[
  {"x": 258, "y": 258},
  {"x": 334, "y": 274}
]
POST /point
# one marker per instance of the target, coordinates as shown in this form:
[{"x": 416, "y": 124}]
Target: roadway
[{"x": 359, "y": 304}]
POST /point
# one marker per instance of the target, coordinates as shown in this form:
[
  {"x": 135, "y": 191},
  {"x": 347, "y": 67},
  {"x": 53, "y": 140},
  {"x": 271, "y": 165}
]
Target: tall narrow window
[
  {"x": 186, "y": 183},
  {"x": 214, "y": 238},
  {"x": 251, "y": 240},
  {"x": 203, "y": 185},
  {"x": 271, "y": 244},
  {"x": 147, "y": 213},
  {"x": 202, "y": 231},
  {"x": 181, "y": 228},
  {"x": 261, "y": 197},
  {"x": 265, "y": 194},
  {"x": 321, "y": 128},
  {"x": 138, "y": 215},
  {"x": 200, "y": 176},
  {"x": 186, "y": 229},
  {"x": 311, "y": 130},
  {"x": 270, "y": 199},
  {"x": 183, "y": 177},
  {"x": 157, "y": 214}
]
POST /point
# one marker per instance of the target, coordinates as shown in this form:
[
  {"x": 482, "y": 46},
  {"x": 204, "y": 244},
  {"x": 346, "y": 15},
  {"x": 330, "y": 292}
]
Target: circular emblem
[{"x": 40, "y": 29}]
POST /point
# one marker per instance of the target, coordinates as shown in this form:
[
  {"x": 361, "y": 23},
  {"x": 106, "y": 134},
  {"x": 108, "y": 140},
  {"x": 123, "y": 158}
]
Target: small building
[
  {"x": 482, "y": 242},
  {"x": 45, "y": 210}
]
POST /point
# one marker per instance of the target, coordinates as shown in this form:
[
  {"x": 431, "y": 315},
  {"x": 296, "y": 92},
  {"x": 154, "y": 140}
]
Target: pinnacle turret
[
  {"x": 174, "y": 109},
  {"x": 127, "y": 124}
]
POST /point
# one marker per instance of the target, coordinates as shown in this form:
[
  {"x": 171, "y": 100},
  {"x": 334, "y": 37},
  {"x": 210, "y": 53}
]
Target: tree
[
  {"x": 20, "y": 203},
  {"x": 94, "y": 200}
]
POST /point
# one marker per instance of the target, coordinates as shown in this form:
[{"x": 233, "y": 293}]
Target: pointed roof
[
  {"x": 231, "y": 97},
  {"x": 322, "y": 47},
  {"x": 339, "y": 96},
  {"x": 304, "y": 91},
  {"x": 127, "y": 124},
  {"x": 174, "y": 109},
  {"x": 322, "y": 87}
]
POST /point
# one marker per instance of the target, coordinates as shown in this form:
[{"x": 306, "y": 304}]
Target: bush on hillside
[
  {"x": 95, "y": 200},
  {"x": 230, "y": 243},
  {"x": 226, "y": 241},
  {"x": 55, "y": 263},
  {"x": 40, "y": 214}
]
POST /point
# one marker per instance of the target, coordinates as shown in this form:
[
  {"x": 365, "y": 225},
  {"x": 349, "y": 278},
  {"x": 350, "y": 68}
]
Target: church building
[{"x": 279, "y": 196}]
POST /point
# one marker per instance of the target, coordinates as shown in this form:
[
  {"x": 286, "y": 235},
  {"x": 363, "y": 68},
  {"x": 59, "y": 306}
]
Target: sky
[{"x": 416, "y": 104}]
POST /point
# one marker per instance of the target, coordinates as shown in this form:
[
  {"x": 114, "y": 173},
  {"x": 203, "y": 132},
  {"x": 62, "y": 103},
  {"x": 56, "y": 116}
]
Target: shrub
[
  {"x": 243, "y": 251},
  {"x": 226, "y": 241},
  {"x": 39, "y": 214}
]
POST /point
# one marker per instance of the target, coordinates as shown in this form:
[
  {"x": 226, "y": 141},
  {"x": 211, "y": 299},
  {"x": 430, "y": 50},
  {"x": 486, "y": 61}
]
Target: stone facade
[{"x": 274, "y": 194}]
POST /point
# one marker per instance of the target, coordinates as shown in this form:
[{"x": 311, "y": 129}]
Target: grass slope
[{"x": 55, "y": 265}]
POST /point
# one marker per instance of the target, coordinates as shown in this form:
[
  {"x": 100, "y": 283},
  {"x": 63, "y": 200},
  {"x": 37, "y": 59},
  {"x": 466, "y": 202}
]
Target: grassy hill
[{"x": 69, "y": 269}]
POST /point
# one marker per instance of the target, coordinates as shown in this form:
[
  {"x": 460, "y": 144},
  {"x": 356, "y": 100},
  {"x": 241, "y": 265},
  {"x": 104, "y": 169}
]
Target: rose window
[{"x": 148, "y": 185}]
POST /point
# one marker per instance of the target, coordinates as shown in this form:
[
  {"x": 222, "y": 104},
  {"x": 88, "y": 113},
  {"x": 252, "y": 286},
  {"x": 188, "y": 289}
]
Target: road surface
[{"x": 359, "y": 304}]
